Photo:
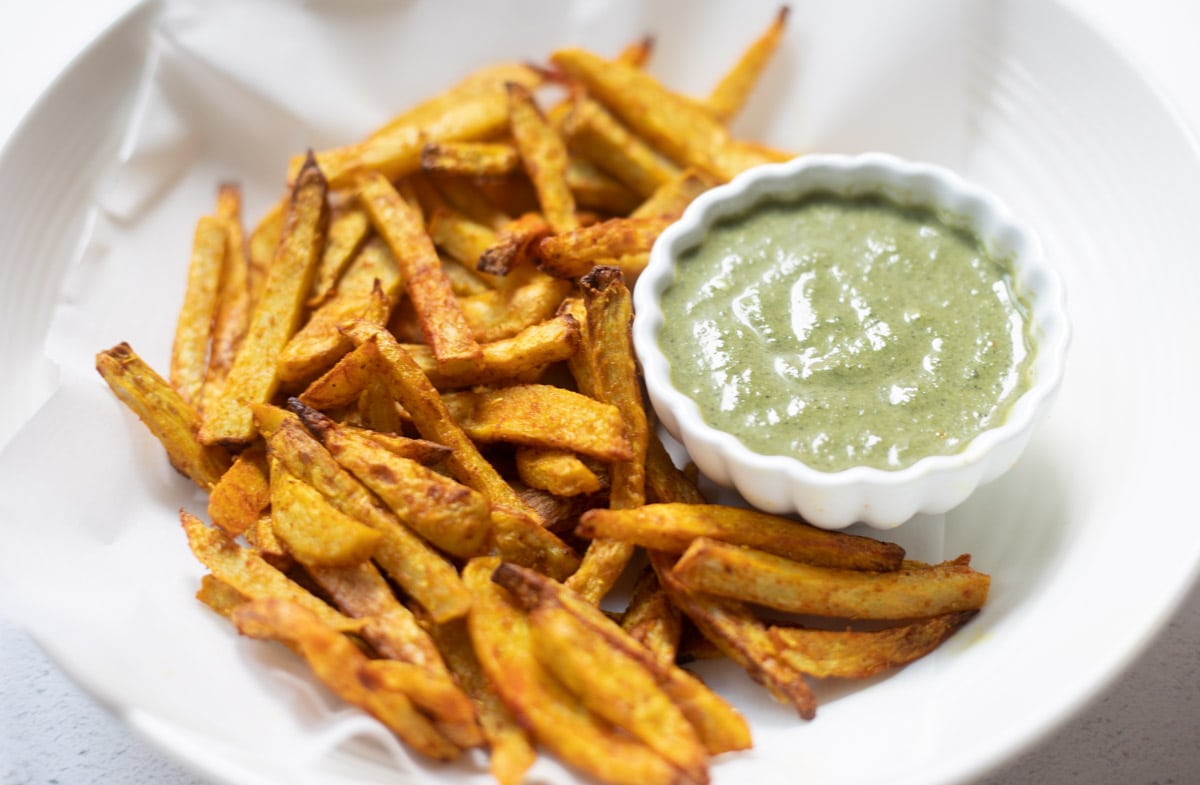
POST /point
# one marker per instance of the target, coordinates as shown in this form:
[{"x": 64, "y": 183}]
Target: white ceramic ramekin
[{"x": 879, "y": 497}]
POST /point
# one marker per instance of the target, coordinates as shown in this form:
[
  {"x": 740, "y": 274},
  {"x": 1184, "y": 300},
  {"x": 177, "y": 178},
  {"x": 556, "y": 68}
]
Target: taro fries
[{"x": 411, "y": 395}]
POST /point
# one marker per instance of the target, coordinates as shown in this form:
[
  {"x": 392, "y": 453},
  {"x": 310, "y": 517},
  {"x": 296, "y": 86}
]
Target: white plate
[{"x": 1090, "y": 539}]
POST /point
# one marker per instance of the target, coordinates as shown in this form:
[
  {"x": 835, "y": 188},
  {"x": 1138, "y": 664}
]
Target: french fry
[
  {"x": 232, "y": 315},
  {"x": 595, "y": 190},
  {"x": 730, "y": 93},
  {"x": 246, "y": 572},
  {"x": 160, "y": 407},
  {"x": 276, "y": 315},
  {"x": 665, "y": 483},
  {"x": 261, "y": 537},
  {"x": 420, "y": 450},
  {"x": 514, "y": 243},
  {"x": 544, "y": 157},
  {"x": 502, "y": 313},
  {"x": 338, "y": 664},
  {"x": 193, "y": 329},
  {"x": 575, "y": 253},
  {"x": 637, "y": 53},
  {"x": 911, "y": 592},
  {"x": 609, "y": 314},
  {"x": 853, "y": 654},
  {"x": 442, "y": 322},
  {"x": 600, "y": 138},
  {"x": 673, "y": 527},
  {"x": 502, "y": 640},
  {"x": 679, "y": 128},
  {"x": 542, "y": 415},
  {"x": 219, "y": 595},
  {"x": 348, "y": 229},
  {"x": 367, "y": 291},
  {"x": 421, "y": 571},
  {"x": 344, "y": 382},
  {"x": 559, "y": 472},
  {"x": 459, "y": 237},
  {"x": 261, "y": 247},
  {"x": 448, "y": 514},
  {"x": 652, "y": 620},
  {"x": 465, "y": 196},
  {"x": 474, "y": 159},
  {"x": 672, "y": 198},
  {"x": 242, "y": 494},
  {"x": 719, "y": 726},
  {"x": 312, "y": 530}
]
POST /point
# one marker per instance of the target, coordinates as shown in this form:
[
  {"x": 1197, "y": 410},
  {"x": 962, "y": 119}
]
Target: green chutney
[{"x": 847, "y": 331}]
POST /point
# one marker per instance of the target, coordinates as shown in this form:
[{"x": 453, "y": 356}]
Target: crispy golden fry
[
  {"x": 276, "y": 315},
  {"x": 514, "y": 245},
  {"x": 219, "y": 595},
  {"x": 673, "y": 527},
  {"x": 170, "y": 418},
  {"x": 544, "y": 157},
  {"x": 429, "y": 291},
  {"x": 464, "y": 195},
  {"x": 421, "y": 571},
  {"x": 448, "y": 514},
  {"x": 911, "y": 592},
  {"x": 344, "y": 382},
  {"x": 261, "y": 537},
  {"x": 665, "y": 483},
  {"x": 561, "y": 513},
  {"x": 541, "y": 415},
  {"x": 377, "y": 410},
  {"x": 429, "y": 695},
  {"x": 615, "y": 687},
  {"x": 392, "y": 631},
  {"x": 499, "y": 314},
  {"x": 508, "y": 359},
  {"x": 193, "y": 330},
  {"x": 511, "y": 751},
  {"x": 502, "y": 640},
  {"x": 474, "y": 159},
  {"x": 312, "y": 530},
  {"x": 367, "y": 290},
  {"x": 637, "y": 54},
  {"x": 343, "y": 669},
  {"x": 232, "y": 316},
  {"x": 674, "y": 197},
  {"x": 741, "y": 637},
  {"x": 246, "y": 571},
  {"x": 261, "y": 248},
  {"x": 520, "y": 538},
  {"x": 652, "y": 620},
  {"x": 595, "y": 190},
  {"x": 575, "y": 253},
  {"x": 556, "y": 471},
  {"x": 676, "y": 126},
  {"x": 420, "y": 450},
  {"x": 720, "y": 727},
  {"x": 850, "y": 654},
  {"x": 731, "y": 92},
  {"x": 609, "y": 314},
  {"x": 464, "y": 281},
  {"x": 600, "y": 138},
  {"x": 348, "y": 230},
  {"x": 242, "y": 494},
  {"x": 459, "y": 237}
]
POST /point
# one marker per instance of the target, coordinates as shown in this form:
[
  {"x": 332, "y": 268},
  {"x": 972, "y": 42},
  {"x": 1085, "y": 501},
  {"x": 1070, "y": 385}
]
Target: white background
[{"x": 1143, "y": 729}]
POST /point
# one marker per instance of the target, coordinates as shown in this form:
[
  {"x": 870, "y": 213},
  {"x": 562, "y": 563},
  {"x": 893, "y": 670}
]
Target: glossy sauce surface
[{"x": 846, "y": 331}]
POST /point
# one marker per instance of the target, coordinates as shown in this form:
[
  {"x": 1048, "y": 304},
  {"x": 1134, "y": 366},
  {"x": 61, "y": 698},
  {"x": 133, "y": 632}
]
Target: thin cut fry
[
  {"x": 311, "y": 529},
  {"x": 598, "y": 136},
  {"x": 652, "y": 620},
  {"x": 475, "y": 159},
  {"x": 242, "y": 494},
  {"x": 189, "y": 351},
  {"x": 232, "y": 316},
  {"x": 514, "y": 244},
  {"x": 545, "y": 158},
  {"x": 559, "y": 472},
  {"x": 731, "y": 92},
  {"x": 170, "y": 418},
  {"x": 347, "y": 231},
  {"x": 574, "y": 253},
  {"x": 261, "y": 247}
]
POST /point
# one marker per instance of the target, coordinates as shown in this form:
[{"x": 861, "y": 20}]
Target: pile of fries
[{"x": 411, "y": 396}]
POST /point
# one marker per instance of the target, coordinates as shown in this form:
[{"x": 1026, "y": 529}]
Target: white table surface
[{"x": 1144, "y": 729}]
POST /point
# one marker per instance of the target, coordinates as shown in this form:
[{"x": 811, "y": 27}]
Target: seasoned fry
[
  {"x": 595, "y": 190},
  {"x": 459, "y": 237},
  {"x": 475, "y": 159},
  {"x": 261, "y": 248},
  {"x": 850, "y": 654},
  {"x": 261, "y": 537},
  {"x": 545, "y": 158},
  {"x": 448, "y": 514},
  {"x": 232, "y": 316},
  {"x": 673, "y": 527},
  {"x": 170, "y": 418},
  {"x": 242, "y": 494},
  {"x": 652, "y": 620},
  {"x": 559, "y": 472},
  {"x": 541, "y": 415},
  {"x": 311, "y": 529},
  {"x": 502, "y": 313},
  {"x": 514, "y": 244},
  {"x": 677, "y": 127},
  {"x": 246, "y": 572},
  {"x": 276, "y": 314},
  {"x": 422, "y": 572},
  {"x": 344, "y": 382},
  {"x": 193, "y": 330},
  {"x": 731, "y": 92},
  {"x": 609, "y": 314},
  {"x": 347, "y": 230},
  {"x": 463, "y": 195},
  {"x": 575, "y": 253},
  {"x": 672, "y": 198},
  {"x": 911, "y": 592},
  {"x": 503, "y": 642},
  {"x": 665, "y": 483},
  {"x": 429, "y": 291},
  {"x": 343, "y": 669},
  {"x": 219, "y": 595}
]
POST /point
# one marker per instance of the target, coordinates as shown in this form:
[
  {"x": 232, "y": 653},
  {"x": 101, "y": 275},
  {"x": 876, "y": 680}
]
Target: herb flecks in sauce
[{"x": 846, "y": 331}]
